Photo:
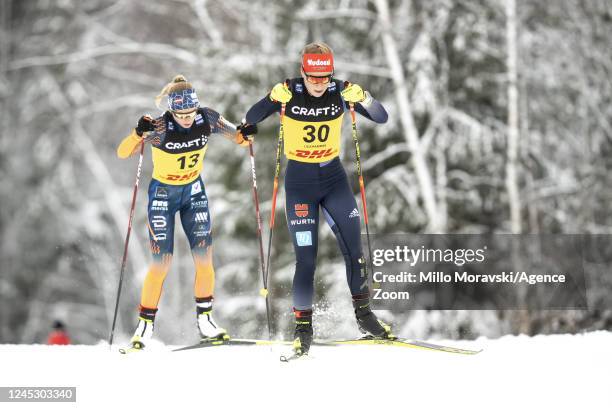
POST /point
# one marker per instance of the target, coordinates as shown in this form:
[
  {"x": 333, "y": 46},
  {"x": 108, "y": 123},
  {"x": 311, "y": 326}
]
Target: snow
[{"x": 512, "y": 371}]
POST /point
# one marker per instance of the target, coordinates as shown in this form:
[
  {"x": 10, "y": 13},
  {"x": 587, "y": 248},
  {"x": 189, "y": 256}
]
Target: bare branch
[
  {"x": 199, "y": 7},
  {"x": 336, "y": 13},
  {"x": 163, "y": 50},
  {"x": 388, "y": 152}
]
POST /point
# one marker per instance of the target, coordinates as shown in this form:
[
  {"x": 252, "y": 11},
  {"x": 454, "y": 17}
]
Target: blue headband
[{"x": 185, "y": 99}]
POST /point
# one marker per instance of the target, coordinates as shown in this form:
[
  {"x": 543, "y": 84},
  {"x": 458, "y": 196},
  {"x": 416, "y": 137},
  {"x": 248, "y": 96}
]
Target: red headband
[{"x": 313, "y": 63}]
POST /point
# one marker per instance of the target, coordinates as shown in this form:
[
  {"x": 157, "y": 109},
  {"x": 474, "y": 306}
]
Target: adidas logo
[{"x": 354, "y": 213}]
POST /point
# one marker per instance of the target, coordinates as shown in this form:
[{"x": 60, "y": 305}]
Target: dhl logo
[
  {"x": 314, "y": 154},
  {"x": 184, "y": 177}
]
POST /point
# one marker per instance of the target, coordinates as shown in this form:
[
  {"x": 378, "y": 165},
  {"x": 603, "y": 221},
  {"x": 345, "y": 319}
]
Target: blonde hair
[
  {"x": 178, "y": 83},
  {"x": 317, "y": 48}
]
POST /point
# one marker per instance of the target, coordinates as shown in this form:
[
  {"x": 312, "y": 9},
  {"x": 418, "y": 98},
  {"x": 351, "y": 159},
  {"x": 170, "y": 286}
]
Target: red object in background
[{"x": 58, "y": 338}]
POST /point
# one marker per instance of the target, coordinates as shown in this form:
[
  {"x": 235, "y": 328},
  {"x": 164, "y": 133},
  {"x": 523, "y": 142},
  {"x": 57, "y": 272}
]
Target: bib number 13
[
  {"x": 193, "y": 161},
  {"x": 322, "y": 133}
]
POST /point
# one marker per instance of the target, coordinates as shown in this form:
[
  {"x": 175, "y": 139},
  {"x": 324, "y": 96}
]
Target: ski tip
[
  {"x": 132, "y": 349},
  {"x": 294, "y": 356}
]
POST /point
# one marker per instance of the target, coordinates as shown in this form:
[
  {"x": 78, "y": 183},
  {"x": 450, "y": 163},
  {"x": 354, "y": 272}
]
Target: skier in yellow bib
[
  {"x": 315, "y": 104},
  {"x": 179, "y": 140}
]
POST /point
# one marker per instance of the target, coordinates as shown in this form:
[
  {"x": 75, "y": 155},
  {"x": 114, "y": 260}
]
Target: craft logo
[
  {"x": 301, "y": 210},
  {"x": 300, "y": 110},
  {"x": 183, "y": 145},
  {"x": 303, "y": 238}
]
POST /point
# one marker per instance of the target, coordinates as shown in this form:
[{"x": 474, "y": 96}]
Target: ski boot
[
  {"x": 208, "y": 328},
  {"x": 367, "y": 321},
  {"x": 143, "y": 332},
  {"x": 303, "y": 331}
]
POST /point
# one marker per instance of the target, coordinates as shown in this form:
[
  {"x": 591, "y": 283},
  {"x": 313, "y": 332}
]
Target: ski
[
  {"x": 368, "y": 340},
  {"x": 397, "y": 342},
  {"x": 130, "y": 349},
  {"x": 232, "y": 342},
  {"x": 294, "y": 356}
]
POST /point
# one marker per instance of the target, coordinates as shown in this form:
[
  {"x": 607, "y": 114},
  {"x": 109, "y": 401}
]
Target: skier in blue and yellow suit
[
  {"x": 179, "y": 140},
  {"x": 315, "y": 178}
]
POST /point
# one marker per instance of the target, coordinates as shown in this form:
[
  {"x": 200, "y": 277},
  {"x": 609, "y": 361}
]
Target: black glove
[
  {"x": 145, "y": 124},
  {"x": 247, "y": 129}
]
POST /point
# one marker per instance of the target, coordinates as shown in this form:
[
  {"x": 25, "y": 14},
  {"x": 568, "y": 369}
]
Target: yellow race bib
[
  {"x": 312, "y": 142},
  {"x": 177, "y": 169},
  {"x": 178, "y": 155}
]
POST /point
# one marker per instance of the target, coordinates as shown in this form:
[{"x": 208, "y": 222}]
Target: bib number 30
[{"x": 322, "y": 133}]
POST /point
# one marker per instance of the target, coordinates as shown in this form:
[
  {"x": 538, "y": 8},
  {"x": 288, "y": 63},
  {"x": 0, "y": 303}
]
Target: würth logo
[{"x": 301, "y": 210}]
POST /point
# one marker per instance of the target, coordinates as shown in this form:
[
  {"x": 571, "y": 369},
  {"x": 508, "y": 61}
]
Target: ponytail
[{"x": 178, "y": 83}]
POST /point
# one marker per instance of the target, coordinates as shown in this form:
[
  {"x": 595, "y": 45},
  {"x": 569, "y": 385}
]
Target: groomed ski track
[{"x": 513, "y": 371}]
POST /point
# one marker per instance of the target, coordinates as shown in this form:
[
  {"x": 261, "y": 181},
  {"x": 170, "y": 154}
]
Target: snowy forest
[{"x": 500, "y": 121}]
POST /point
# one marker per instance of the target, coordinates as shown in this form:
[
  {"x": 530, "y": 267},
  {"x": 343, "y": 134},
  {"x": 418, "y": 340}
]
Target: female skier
[
  {"x": 179, "y": 140},
  {"x": 315, "y": 104}
]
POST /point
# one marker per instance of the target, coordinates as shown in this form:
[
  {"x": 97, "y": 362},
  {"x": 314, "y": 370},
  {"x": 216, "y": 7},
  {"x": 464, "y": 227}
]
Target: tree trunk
[
  {"x": 423, "y": 175},
  {"x": 514, "y": 200}
]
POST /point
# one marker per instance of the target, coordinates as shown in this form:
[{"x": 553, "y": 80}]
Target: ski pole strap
[{"x": 302, "y": 313}]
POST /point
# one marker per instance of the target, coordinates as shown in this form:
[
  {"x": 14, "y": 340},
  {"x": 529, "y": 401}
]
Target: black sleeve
[
  {"x": 218, "y": 124},
  {"x": 375, "y": 111},
  {"x": 262, "y": 110}
]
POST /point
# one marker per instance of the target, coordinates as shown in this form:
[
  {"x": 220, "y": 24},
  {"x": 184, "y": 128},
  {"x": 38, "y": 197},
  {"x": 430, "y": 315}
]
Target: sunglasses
[
  {"x": 188, "y": 115},
  {"x": 318, "y": 79}
]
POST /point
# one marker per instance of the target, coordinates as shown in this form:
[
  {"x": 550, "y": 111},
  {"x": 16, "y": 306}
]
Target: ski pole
[
  {"x": 281, "y": 134},
  {"x": 360, "y": 175},
  {"x": 127, "y": 240},
  {"x": 264, "y": 290}
]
